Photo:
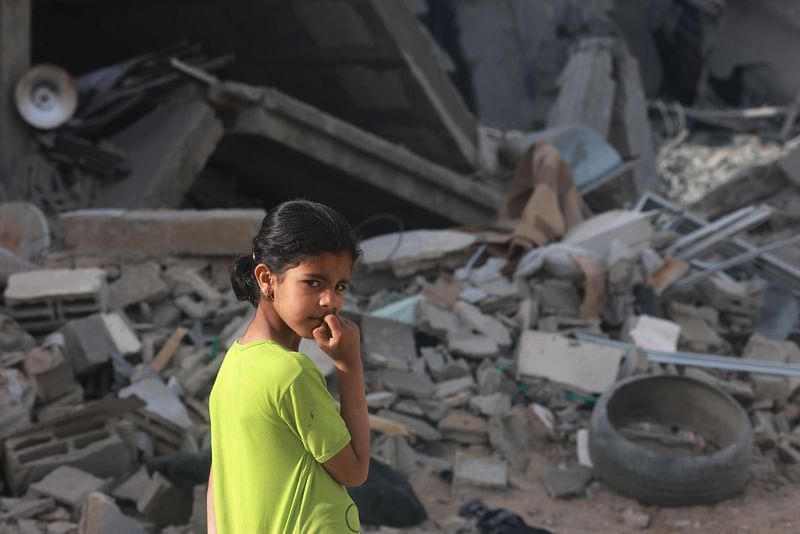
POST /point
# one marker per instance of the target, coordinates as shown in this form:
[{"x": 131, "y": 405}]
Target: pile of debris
[{"x": 477, "y": 340}]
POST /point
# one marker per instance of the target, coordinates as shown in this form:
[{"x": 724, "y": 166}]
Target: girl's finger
[
  {"x": 321, "y": 335},
  {"x": 334, "y": 323}
]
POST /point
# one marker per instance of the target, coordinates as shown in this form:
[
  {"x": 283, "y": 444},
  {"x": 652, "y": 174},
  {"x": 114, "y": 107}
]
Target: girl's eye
[
  {"x": 341, "y": 287},
  {"x": 312, "y": 283}
]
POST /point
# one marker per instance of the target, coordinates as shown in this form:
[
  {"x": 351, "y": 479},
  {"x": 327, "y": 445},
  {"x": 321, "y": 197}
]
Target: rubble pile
[{"x": 472, "y": 359}]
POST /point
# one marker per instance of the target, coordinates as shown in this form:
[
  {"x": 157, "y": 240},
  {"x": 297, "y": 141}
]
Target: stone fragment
[
  {"x": 768, "y": 387},
  {"x": 482, "y": 323},
  {"x": 488, "y": 473},
  {"x": 558, "y": 297},
  {"x": 68, "y": 486},
  {"x": 489, "y": 405},
  {"x": 50, "y": 373},
  {"x": 464, "y": 427},
  {"x": 698, "y": 336},
  {"x": 13, "y": 336},
  {"x": 134, "y": 486},
  {"x": 652, "y": 333},
  {"x": 122, "y": 335},
  {"x": 407, "y": 383},
  {"x": 380, "y": 399},
  {"x": 635, "y": 518},
  {"x": 140, "y": 282},
  {"x": 438, "y": 322},
  {"x": 163, "y": 503},
  {"x": 393, "y": 339},
  {"x": 760, "y": 347},
  {"x": 159, "y": 400},
  {"x": 397, "y": 453},
  {"x": 453, "y": 386},
  {"x": 28, "y": 507},
  {"x": 441, "y": 365},
  {"x": 473, "y": 346},
  {"x": 740, "y": 298},
  {"x": 567, "y": 483},
  {"x": 100, "y": 516},
  {"x": 416, "y": 426}
]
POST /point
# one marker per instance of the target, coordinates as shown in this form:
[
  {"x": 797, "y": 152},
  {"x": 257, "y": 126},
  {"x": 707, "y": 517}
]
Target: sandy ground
[{"x": 759, "y": 510}]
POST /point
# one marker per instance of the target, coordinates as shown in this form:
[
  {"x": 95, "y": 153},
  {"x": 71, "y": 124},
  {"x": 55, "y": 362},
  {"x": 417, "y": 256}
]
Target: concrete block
[
  {"x": 100, "y": 516},
  {"x": 589, "y": 367},
  {"x": 393, "y": 339},
  {"x": 380, "y": 399},
  {"x": 159, "y": 400},
  {"x": 475, "y": 346},
  {"x": 397, "y": 453},
  {"x": 161, "y": 233},
  {"x": 464, "y": 427},
  {"x": 567, "y": 483},
  {"x": 415, "y": 385},
  {"x": 46, "y": 298},
  {"x": 163, "y": 503},
  {"x": 87, "y": 344},
  {"x": 133, "y": 486},
  {"x": 50, "y": 373},
  {"x": 122, "y": 335},
  {"x": 86, "y": 442},
  {"x": 68, "y": 486},
  {"x": 482, "y": 323},
  {"x": 166, "y": 436},
  {"x": 481, "y": 472}
]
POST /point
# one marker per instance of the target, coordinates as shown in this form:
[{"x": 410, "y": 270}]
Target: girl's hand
[{"x": 339, "y": 338}]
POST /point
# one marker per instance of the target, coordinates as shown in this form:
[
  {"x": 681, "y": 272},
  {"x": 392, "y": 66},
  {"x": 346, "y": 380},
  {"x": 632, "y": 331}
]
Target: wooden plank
[{"x": 169, "y": 349}]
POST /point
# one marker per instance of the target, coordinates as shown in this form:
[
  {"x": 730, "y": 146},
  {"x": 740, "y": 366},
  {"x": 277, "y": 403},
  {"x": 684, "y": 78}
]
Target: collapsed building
[{"x": 521, "y": 268}]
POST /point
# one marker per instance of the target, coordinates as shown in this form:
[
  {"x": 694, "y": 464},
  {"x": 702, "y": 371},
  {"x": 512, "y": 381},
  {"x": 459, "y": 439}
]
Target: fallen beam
[{"x": 365, "y": 156}]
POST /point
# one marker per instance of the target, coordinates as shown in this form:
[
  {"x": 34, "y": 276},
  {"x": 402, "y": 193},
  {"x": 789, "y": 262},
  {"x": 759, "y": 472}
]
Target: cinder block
[
  {"x": 50, "y": 372},
  {"x": 90, "y": 443},
  {"x": 167, "y": 436},
  {"x": 45, "y": 299},
  {"x": 87, "y": 344}
]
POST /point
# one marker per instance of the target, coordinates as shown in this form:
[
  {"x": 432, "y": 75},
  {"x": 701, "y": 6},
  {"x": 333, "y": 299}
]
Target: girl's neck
[{"x": 267, "y": 325}]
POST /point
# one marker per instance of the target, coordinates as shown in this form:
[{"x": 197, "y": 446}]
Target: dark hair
[{"x": 292, "y": 232}]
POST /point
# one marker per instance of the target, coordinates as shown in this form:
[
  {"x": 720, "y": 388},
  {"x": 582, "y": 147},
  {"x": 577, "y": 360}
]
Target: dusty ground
[{"x": 758, "y": 510}]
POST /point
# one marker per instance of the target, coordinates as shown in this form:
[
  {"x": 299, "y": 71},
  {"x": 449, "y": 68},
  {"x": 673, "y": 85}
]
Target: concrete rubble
[{"x": 480, "y": 348}]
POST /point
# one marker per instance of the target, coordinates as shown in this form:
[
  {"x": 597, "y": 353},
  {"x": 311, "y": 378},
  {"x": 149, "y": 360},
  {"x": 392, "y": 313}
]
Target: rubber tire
[{"x": 662, "y": 479}]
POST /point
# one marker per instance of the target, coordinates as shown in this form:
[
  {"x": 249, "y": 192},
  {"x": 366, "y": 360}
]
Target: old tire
[{"x": 670, "y": 479}]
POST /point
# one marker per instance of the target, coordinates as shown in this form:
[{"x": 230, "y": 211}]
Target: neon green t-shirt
[{"x": 273, "y": 423}]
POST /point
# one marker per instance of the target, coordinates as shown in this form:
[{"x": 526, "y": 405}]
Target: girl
[{"x": 281, "y": 452}]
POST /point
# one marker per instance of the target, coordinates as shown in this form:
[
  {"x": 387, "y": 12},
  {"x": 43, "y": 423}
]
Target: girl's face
[{"x": 305, "y": 294}]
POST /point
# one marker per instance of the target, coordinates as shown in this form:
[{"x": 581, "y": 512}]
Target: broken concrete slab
[
  {"x": 68, "y": 485},
  {"x": 167, "y": 149},
  {"x": 557, "y": 297},
  {"x": 441, "y": 365},
  {"x": 397, "y": 453},
  {"x": 698, "y": 336},
  {"x": 13, "y": 336},
  {"x": 141, "y": 282},
  {"x": 596, "y": 234},
  {"x": 46, "y": 298},
  {"x": 161, "y": 233},
  {"x": 407, "y": 253},
  {"x": 740, "y": 298},
  {"x": 407, "y": 383},
  {"x": 489, "y": 405},
  {"x": 482, "y": 323},
  {"x": 490, "y": 473},
  {"x": 464, "y": 427},
  {"x": 100, "y": 515},
  {"x": 762, "y": 348},
  {"x": 133, "y": 486},
  {"x": 453, "y": 386},
  {"x": 393, "y": 339},
  {"x": 652, "y": 333},
  {"x": 474, "y": 346},
  {"x": 160, "y": 400},
  {"x": 567, "y": 483},
  {"x": 770, "y": 388},
  {"x": 590, "y": 367},
  {"x": 416, "y": 426}
]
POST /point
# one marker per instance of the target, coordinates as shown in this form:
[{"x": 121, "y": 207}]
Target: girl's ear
[{"x": 265, "y": 279}]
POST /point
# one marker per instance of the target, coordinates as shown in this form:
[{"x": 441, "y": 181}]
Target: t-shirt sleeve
[{"x": 310, "y": 411}]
